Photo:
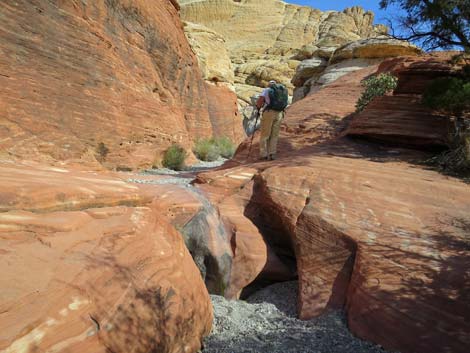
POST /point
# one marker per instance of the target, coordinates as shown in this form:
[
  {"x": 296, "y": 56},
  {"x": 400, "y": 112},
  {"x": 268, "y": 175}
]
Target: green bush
[
  {"x": 210, "y": 149},
  {"x": 225, "y": 146},
  {"x": 448, "y": 93},
  {"x": 376, "y": 86},
  {"x": 174, "y": 157},
  {"x": 452, "y": 95},
  {"x": 206, "y": 150}
]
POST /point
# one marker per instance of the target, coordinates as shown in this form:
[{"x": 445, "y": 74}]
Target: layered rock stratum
[
  {"x": 113, "y": 262},
  {"x": 91, "y": 263},
  {"x": 369, "y": 229},
  {"x": 263, "y": 40},
  {"x": 110, "y": 83}
]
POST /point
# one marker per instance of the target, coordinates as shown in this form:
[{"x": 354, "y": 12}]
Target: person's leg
[
  {"x": 266, "y": 127},
  {"x": 273, "y": 139}
]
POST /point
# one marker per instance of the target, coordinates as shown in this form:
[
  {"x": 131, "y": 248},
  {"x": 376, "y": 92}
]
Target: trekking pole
[{"x": 253, "y": 135}]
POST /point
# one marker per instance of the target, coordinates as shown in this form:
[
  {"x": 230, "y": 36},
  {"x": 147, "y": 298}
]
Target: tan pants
[{"x": 270, "y": 125}]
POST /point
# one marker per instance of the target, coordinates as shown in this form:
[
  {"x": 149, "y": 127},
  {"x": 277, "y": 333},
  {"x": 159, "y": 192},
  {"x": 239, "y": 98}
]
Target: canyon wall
[
  {"x": 90, "y": 263},
  {"x": 109, "y": 82}
]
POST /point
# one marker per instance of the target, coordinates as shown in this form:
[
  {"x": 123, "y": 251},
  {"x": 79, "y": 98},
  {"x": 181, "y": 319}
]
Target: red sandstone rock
[
  {"x": 372, "y": 232},
  {"x": 223, "y": 112},
  {"x": 108, "y": 81},
  {"x": 387, "y": 239},
  {"x": 252, "y": 257},
  {"x": 401, "y": 118},
  {"x": 88, "y": 265},
  {"x": 316, "y": 118}
]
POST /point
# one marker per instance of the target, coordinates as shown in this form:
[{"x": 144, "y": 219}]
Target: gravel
[
  {"x": 183, "y": 177},
  {"x": 182, "y": 181},
  {"x": 198, "y": 167},
  {"x": 267, "y": 323}
]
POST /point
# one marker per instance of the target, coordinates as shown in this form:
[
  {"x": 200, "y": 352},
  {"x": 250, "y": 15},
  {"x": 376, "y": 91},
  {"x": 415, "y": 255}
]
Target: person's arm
[
  {"x": 263, "y": 99},
  {"x": 260, "y": 102}
]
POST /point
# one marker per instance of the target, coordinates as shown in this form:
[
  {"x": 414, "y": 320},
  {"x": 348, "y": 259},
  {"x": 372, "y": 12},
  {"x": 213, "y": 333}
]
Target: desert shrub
[
  {"x": 206, "y": 150},
  {"x": 174, "y": 157},
  {"x": 376, "y": 86},
  {"x": 101, "y": 151},
  {"x": 210, "y": 149},
  {"x": 225, "y": 146},
  {"x": 451, "y": 94}
]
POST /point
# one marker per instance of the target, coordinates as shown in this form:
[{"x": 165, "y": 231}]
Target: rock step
[{"x": 401, "y": 119}]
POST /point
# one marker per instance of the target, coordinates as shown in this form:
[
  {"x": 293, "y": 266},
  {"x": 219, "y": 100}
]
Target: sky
[{"x": 340, "y": 5}]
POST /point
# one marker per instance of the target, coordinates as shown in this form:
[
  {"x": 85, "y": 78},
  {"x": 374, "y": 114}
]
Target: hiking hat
[{"x": 272, "y": 82}]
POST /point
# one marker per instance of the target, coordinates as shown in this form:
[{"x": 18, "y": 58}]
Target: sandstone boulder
[
  {"x": 88, "y": 265},
  {"x": 312, "y": 83},
  {"x": 307, "y": 69},
  {"x": 253, "y": 258},
  {"x": 353, "y": 56},
  {"x": 110, "y": 83},
  {"x": 375, "y": 48}
]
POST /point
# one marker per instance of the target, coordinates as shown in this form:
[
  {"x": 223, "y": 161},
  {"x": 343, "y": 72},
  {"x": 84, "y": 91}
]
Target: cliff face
[
  {"x": 108, "y": 81},
  {"x": 267, "y": 39},
  {"x": 275, "y": 27}
]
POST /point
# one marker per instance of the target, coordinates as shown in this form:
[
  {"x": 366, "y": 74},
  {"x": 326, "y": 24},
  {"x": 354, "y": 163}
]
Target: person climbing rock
[{"x": 274, "y": 99}]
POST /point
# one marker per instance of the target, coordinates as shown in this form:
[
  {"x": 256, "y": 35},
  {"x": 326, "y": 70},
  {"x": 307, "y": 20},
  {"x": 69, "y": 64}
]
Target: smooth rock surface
[
  {"x": 90, "y": 265},
  {"x": 212, "y": 54}
]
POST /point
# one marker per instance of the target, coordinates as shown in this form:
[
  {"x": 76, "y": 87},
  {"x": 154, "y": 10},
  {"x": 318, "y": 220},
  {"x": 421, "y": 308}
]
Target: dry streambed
[{"x": 267, "y": 323}]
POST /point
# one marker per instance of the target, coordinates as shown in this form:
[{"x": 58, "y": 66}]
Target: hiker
[{"x": 274, "y": 99}]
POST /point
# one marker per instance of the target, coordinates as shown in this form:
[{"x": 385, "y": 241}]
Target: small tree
[{"x": 434, "y": 23}]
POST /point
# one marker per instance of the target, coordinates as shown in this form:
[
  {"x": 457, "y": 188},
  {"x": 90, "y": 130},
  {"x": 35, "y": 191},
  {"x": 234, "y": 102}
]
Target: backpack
[{"x": 279, "y": 97}]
